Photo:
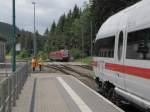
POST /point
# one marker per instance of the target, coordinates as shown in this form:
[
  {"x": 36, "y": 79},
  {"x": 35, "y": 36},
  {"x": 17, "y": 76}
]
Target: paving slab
[{"x": 54, "y": 92}]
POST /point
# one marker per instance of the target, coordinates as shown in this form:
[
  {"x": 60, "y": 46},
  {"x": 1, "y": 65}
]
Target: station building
[{"x": 2, "y": 48}]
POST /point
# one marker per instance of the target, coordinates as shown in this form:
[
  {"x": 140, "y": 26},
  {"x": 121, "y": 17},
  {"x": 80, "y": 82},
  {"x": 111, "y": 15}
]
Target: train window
[
  {"x": 138, "y": 45},
  {"x": 120, "y": 45},
  {"x": 105, "y": 47}
]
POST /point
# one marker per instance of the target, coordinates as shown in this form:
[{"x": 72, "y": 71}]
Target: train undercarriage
[{"x": 109, "y": 91}]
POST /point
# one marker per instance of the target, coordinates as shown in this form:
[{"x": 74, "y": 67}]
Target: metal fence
[{"x": 11, "y": 86}]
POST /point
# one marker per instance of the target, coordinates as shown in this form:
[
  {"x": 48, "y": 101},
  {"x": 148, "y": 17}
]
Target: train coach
[
  {"x": 62, "y": 55},
  {"x": 122, "y": 55}
]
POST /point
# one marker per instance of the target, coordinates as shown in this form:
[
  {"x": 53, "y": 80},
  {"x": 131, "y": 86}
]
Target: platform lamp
[{"x": 34, "y": 39}]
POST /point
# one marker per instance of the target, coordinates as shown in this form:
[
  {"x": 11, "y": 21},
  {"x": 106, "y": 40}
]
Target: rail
[{"x": 11, "y": 86}]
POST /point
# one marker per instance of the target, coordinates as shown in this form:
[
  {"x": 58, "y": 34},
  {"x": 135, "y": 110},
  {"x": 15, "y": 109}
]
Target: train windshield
[{"x": 138, "y": 45}]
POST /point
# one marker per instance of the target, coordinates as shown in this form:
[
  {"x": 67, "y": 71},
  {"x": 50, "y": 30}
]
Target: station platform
[{"x": 54, "y": 92}]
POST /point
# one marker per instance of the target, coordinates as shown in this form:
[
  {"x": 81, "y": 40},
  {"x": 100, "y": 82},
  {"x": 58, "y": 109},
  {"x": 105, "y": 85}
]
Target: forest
[
  {"x": 78, "y": 28},
  {"x": 74, "y": 30}
]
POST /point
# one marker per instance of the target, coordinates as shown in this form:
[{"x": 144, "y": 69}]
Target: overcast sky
[{"x": 46, "y": 12}]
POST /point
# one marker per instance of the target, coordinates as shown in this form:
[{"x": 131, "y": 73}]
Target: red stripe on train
[{"x": 135, "y": 71}]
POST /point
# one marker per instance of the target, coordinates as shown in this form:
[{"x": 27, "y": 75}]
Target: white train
[{"x": 122, "y": 61}]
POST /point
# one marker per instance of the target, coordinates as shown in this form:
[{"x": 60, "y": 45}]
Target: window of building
[
  {"x": 138, "y": 45},
  {"x": 105, "y": 47}
]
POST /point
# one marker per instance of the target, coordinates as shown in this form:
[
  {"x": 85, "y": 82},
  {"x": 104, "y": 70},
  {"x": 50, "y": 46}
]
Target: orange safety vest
[
  {"x": 33, "y": 62},
  {"x": 40, "y": 62}
]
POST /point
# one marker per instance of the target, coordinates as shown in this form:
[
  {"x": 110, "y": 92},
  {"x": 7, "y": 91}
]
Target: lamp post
[
  {"x": 14, "y": 38},
  {"x": 82, "y": 44},
  {"x": 34, "y": 39},
  {"x": 91, "y": 39}
]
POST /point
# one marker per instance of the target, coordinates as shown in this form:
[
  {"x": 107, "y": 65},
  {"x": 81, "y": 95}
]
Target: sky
[{"x": 46, "y": 12}]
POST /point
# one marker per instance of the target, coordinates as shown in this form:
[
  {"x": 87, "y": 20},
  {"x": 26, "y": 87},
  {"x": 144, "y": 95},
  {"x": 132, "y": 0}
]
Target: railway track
[
  {"x": 65, "y": 69},
  {"x": 69, "y": 71},
  {"x": 77, "y": 72},
  {"x": 88, "y": 67}
]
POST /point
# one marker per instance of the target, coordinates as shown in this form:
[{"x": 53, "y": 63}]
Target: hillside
[{"x": 5, "y": 29}]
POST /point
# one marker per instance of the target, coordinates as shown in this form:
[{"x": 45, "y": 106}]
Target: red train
[{"x": 62, "y": 55}]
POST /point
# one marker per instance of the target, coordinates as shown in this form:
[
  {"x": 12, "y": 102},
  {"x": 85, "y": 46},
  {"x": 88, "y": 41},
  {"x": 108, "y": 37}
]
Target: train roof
[{"x": 132, "y": 18}]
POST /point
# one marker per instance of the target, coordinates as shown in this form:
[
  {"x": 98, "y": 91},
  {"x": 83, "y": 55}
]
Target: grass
[
  {"x": 8, "y": 57},
  {"x": 86, "y": 60}
]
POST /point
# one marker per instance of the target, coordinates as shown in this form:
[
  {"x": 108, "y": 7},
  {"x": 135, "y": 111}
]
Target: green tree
[
  {"x": 102, "y": 9},
  {"x": 61, "y": 23},
  {"x": 68, "y": 32},
  {"x": 24, "y": 54},
  {"x": 53, "y": 27},
  {"x": 46, "y": 32}
]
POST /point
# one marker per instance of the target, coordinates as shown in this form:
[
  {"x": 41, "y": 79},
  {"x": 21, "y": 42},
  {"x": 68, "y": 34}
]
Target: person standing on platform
[
  {"x": 33, "y": 63},
  {"x": 40, "y": 63}
]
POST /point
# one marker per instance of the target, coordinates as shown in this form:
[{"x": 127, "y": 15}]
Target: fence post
[
  {"x": 11, "y": 86},
  {"x": 9, "y": 94},
  {"x": 17, "y": 85},
  {"x": 14, "y": 89}
]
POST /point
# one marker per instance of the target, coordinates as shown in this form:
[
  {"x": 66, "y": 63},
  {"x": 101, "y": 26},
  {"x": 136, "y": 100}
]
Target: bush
[
  {"x": 24, "y": 54},
  {"x": 87, "y": 60},
  {"x": 43, "y": 55},
  {"x": 76, "y": 53}
]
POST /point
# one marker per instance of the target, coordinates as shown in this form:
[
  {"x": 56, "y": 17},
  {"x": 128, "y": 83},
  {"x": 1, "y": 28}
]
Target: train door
[{"x": 119, "y": 59}]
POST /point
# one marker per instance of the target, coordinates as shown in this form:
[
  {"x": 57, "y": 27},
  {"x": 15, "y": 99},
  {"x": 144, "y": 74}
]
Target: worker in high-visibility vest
[
  {"x": 33, "y": 63},
  {"x": 40, "y": 63}
]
